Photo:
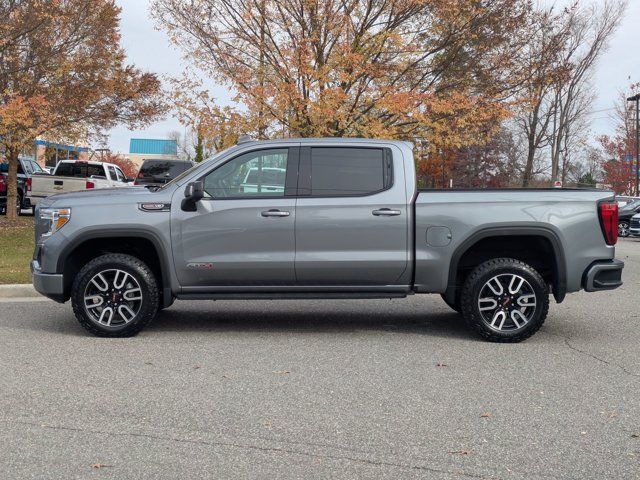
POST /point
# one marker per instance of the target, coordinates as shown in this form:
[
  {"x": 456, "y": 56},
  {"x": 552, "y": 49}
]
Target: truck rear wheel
[
  {"x": 505, "y": 300},
  {"x": 115, "y": 295}
]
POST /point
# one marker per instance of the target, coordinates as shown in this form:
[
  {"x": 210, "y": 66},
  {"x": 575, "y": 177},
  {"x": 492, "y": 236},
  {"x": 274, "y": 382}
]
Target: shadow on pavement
[
  {"x": 338, "y": 321},
  {"x": 178, "y": 319}
]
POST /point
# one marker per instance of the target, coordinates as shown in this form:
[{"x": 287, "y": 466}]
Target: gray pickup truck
[{"x": 345, "y": 220}]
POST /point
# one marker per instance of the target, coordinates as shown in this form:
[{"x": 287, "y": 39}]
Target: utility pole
[{"x": 636, "y": 98}]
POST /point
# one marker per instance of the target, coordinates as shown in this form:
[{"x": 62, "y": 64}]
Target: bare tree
[
  {"x": 547, "y": 38},
  {"x": 589, "y": 30}
]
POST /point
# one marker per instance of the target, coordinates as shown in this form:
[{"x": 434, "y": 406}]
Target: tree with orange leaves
[
  {"x": 619, "y": 150},
  {"x": 436, "y": 70},
  {"x": 63, "y": 76},
  {"x": 213, "y": 127}
]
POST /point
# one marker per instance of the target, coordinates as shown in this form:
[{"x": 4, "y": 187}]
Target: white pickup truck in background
[{"x": 74, "y": 175}]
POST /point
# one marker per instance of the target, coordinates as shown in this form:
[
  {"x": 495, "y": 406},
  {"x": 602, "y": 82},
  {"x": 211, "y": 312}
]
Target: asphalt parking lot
[{"x": 324, "y": 389}]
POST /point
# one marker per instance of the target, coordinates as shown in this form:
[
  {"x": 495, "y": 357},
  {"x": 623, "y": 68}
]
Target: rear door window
[{"x": 349, "y": 171}]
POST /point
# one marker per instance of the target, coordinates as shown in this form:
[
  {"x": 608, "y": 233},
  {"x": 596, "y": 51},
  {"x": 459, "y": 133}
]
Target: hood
[{"x": 106, "y": 195}]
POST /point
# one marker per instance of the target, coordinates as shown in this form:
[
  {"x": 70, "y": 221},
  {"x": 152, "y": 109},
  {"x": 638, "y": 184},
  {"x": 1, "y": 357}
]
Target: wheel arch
[
  {"x": 559, "y": 268},
  {"x": 140, "y": 243}
]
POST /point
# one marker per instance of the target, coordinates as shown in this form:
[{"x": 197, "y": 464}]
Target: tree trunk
[
  {"x": 199, "y": 146},
  {"x": 555, "y": 141},
  {"x": 12, "y": 183},
  {"x": 528, "y": 169}
]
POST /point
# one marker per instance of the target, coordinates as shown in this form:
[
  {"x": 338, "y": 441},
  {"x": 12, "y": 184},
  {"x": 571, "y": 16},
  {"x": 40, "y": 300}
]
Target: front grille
[{"x": 635, "y": 223}]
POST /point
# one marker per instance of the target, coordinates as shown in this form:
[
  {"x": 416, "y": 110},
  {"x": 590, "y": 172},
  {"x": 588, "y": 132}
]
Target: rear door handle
[
  {"x": 274, "y": 213},
  {"x": 386, "y": 212}
]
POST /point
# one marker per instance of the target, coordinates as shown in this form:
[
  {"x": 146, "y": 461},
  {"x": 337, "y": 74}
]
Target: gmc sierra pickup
[{"x": 345, "y": 221}]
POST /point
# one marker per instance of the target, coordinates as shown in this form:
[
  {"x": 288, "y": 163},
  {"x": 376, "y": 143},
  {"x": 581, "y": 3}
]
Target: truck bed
[{"x": 448, "y": 222}]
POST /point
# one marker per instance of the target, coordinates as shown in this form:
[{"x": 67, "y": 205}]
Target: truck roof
[
  {"x": 328, "y": 140},
  {"x": 88, "y": 162}
]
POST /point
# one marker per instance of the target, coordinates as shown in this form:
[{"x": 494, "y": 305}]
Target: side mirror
[{"x": 193, "y": 193}]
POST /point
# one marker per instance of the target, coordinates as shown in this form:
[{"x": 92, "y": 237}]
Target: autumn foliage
[
  {"x": 435, "y": 70},
  {"x": 63, "y": 75}
]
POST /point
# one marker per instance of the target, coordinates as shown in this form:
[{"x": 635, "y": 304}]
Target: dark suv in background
[
  {"x": 624, "y": 217},
  {"x": 155, "y": 173},
  {"x": 26, "y": 168}
]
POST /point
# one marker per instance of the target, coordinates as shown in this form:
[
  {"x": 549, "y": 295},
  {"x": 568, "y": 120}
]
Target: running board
[{"x": 290, "y": 295}]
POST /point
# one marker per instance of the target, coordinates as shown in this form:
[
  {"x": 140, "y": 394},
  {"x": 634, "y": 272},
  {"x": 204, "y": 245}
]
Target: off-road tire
[
  {"x": 134, "y": 267},
  {"x": 477, "y": 280}
]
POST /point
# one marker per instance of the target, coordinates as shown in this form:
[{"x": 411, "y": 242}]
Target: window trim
[
  {"x": 304, "y": 175},
  {"x": 291, "y": 175}
]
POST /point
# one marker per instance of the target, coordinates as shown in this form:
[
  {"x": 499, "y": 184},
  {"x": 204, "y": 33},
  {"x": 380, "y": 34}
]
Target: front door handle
[
  {"x": 274, "y": 213},
  {"x": 386, "y": 212}
]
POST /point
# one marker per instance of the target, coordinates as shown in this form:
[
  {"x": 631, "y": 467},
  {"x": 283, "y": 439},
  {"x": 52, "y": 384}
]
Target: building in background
[
  {"x": 141, "y": 149},
  {"x": 48, "y": 154}
]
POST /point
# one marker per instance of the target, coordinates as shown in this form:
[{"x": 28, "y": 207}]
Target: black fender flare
[
  {"x": 560, "y": 265},
  {"x": 124, "y": 233}
]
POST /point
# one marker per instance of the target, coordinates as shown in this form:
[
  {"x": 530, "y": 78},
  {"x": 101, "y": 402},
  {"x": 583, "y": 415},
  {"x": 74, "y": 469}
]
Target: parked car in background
[
  {"x": 624, "y": 217},
  {"x": 624, "y": 200},
  {"x": 347, "y": 221},
  {"x": 634, "y": 225},
  {"x": 264, "y": 180},
  {"x": 26, "y": 169},
  {"x": 155, "y": 173},
  {"x": 74, "y": 175}
]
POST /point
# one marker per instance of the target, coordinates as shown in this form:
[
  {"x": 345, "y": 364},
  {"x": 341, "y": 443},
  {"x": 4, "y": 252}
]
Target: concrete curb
[{"x": 18, "y": 291}]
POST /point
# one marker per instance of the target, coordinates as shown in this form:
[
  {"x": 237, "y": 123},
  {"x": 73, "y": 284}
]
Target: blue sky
[{"x": 150, "y": 50}]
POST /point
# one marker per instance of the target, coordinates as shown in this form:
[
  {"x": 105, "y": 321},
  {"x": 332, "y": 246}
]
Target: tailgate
[{"x": 45, "y": 185}]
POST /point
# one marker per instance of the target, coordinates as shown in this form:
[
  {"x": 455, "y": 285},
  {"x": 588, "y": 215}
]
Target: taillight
[
  {"x": 3, "y": 184},
  {"x": 89, "y": 185},
  {"x": 28, "y": 184},
  {"x": 609, "y": 222}
]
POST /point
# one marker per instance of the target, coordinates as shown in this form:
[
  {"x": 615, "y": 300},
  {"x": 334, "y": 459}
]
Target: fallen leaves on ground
[
  {"x": 99, "y": 465},
  {"x": 461, "y": 452},
  {"x": 485, "y": 415},
  {"x": 281, "y": 372}
]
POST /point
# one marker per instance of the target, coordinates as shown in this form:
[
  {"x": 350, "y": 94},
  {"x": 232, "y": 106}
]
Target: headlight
[{"x": 56, "y": 217}]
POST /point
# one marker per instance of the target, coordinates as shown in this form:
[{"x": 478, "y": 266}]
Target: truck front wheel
[
  {"x": 115, "y": 295},
  {"x": 505, "y": 300}
]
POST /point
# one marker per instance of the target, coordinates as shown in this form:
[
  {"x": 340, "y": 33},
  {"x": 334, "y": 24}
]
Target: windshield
[{"x": 196, "y": 167}]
